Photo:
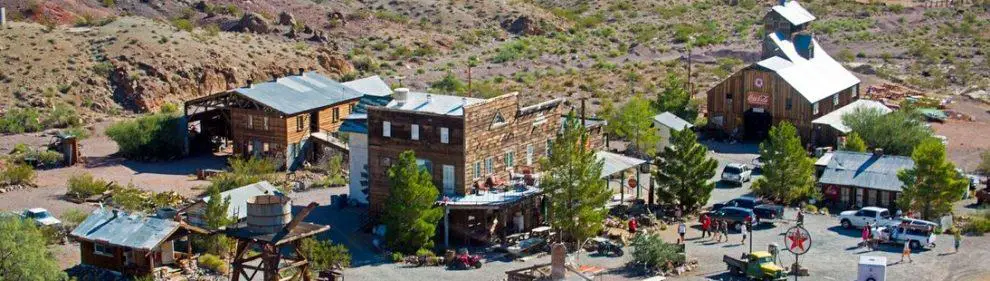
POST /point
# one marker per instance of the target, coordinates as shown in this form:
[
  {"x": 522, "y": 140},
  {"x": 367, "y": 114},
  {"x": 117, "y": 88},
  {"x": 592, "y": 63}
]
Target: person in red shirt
[
  {"x": 633, "y": 225},
  {"x": 706, "y": 224}
]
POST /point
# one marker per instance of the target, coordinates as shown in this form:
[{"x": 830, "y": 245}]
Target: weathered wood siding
[
  {"x": 87, "y": 256},
  {"x": 327, "y": 121},
  {"x": 384, "y": 151},
  {"x": 247, "y": 133},
  {"x": 743, "y": 83}
]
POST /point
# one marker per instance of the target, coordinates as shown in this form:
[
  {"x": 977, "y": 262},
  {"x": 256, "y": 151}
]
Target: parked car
[
  {"x": 736, "y": 216},
  {"x": 918, "y": 222},
  {"x": 41, "y": 217},
  {"x": 917, "y": 236},
  {"x": 763, "y": 210},
  {"x": 737, "y": 173},
  {"x": 872, "y": 215}
]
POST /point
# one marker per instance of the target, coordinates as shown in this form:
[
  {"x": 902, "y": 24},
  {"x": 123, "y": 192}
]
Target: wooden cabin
[
  {"x": 795, "y": 81},
  {"x": 131, "y": 244},
  {"x": 280, "y": 118}
]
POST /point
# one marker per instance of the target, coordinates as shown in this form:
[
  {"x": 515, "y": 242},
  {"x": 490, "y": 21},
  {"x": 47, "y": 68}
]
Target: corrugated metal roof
[
  {"x": 834, "y": 118},
  {"x": 372, "y": 85},
  {"x": 131, "y": 231},
  {"x": 357, "y": 121},
  {"x": 615, "y": 163},
  {"x": 432, "y": 103},
  {"x": 866, "y": 170},
  {"x": 793, "y": 12},
  {"x": 295, "y": 94},
  {"x": 815, "y": 78},
  {"x": 492, "y": 198},
  {"x": 240, "y": 196},
  {"x": 672, "y": 121}
]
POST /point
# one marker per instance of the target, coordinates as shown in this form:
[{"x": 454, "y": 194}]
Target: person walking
[
  {"x": 866, "y": 236},
  {"x": 706, "y": 224},
  {"x": 681, "y": 230},
  {"x": 906, "y": 252},
  {"x": 957, "y": 239},
  {"x": 715, "y": 230},
  {"x": 725, "y": 230}
]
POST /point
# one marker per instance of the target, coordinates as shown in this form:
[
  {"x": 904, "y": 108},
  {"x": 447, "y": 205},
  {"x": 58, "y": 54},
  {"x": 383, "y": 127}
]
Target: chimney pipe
[
  {"x": 429, "y": 98},
  {"x": 115, "y": 214},
  {"x": 250, "y": 83},
  {"x": 400, "y": 95},
  {"x": 302, "y": 71},
  {"x": 878, "y": 152}
]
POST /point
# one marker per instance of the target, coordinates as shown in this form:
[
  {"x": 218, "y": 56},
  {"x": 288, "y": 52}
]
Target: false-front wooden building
[
  {"x": 795, "y": 81},
  {"x": 284, "y": 118}
]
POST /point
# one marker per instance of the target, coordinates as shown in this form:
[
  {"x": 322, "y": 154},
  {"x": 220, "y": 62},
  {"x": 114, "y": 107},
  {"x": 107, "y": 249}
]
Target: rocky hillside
[{"x": 603, "y": 49}]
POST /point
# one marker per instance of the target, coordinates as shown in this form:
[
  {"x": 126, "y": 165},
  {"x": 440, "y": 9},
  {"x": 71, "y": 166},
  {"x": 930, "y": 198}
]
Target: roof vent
[
  {"x": 250, "y": 83},
  {"x": 878, "y": 152},
  {"x": 463, "y": 101},
  {"x": 302, "y": 71},
  {"x": 429, "y": 98},
  {"x": 400, "y": 95}
]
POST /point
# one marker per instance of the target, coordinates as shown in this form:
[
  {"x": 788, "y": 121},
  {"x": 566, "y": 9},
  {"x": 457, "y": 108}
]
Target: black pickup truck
[{"x": 762, "y": 210}]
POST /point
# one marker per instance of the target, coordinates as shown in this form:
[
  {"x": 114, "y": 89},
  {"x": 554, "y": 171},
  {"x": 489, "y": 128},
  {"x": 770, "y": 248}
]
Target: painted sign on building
[{"x": 758, "y": 99}]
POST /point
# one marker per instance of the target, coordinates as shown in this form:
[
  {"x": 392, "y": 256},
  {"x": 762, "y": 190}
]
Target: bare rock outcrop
[
  {"x": 253, "y": 22},
  {"x": 286, "y": 18}
]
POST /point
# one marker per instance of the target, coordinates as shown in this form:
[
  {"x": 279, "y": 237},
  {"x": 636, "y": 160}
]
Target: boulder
[
  {"x": 319, "y": 36},
  {"x": 333, "y": 61},
  {"x": 864, "y": 69},
  {"x": 253, "y": 22},
  {"x": 286, "y": 18},
  {"x": 522, "y": 25}
]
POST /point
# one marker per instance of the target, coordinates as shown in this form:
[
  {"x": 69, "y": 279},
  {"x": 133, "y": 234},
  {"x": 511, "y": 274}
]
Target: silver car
[{"x": 737, "y": 173}]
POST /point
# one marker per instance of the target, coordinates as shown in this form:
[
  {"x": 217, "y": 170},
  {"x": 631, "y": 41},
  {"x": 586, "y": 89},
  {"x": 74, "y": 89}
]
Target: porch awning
[
  {"x": 490, "y": 199},
  {"x": 615, "y": 163}
]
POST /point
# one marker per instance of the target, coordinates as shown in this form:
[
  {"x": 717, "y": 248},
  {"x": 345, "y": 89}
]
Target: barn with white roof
[{"x": 795, "y": 81}]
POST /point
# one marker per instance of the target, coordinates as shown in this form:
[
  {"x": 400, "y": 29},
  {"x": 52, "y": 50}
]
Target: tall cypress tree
[
  {"x": 410, "y": 215},
  {"x": 684, "y": 171},
  {"x": 788, "y": 172},
  {"x": 933, "y": 184},
  {"x": 572, "y": 181}
]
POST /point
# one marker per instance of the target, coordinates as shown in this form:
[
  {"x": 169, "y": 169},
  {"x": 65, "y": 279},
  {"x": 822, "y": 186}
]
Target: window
[
  {"x": 350, "y": 108},
  {"x": 498, "y": 120},
  {"x": 336, "y": 114},
  {"x": 728, "y": 97},
  {"x": 835, "y": 99},
  {"x": 386, "y": 129},
  {"x": 477, "y": 169},
  {"x": 444, "y": 135},
  {"x": 250, "y": 120},
  {"x": 448, "y": 179},
  {"x": 814, "y": 108},
  {"x": 425, "y": 164},
  {"x": 549, "y": 146},
  {"x": 415, "y": 132},
  {"x": 788, "y": 103},
  {"x": 884, "y": 199},
  {"x": 299, "y": 123},
  {"x": 266, "y": 123},
  {"x": 510, "y": 159},
  {"x": 102, "y": 249},
  {"x": 855, "y": 92},
  {"x": 529, "y": 154},
  {"x": 489, "y": 165}
]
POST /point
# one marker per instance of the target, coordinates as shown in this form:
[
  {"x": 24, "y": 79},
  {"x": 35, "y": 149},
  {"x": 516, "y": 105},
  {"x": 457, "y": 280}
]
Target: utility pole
[{"x": 690, "y": 45}]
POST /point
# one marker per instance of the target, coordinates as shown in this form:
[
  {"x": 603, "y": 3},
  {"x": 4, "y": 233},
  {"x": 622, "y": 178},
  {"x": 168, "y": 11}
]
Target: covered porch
[
  {"x": 625, "y": 176},
  {"x": 491, "y": 215}
]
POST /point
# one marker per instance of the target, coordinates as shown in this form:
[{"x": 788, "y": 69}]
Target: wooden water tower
[{"x": 269, "y": 228}]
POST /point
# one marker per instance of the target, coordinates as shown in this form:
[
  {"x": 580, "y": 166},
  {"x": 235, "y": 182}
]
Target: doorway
[{"x": 757, "y": 122}]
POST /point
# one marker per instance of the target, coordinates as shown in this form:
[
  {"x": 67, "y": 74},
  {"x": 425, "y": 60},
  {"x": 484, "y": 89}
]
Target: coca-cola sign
[{"x": 757, "y": 98}]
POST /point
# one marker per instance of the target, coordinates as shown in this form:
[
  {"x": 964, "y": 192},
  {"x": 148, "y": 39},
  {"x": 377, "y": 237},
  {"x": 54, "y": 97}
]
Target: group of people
[{"x": 717, "y": 229}]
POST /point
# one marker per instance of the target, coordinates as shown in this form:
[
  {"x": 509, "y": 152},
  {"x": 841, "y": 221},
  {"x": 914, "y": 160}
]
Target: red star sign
[{"x": 797, "y": 240}]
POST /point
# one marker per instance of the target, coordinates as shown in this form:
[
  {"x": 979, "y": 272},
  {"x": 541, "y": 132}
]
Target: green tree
[
  {"x": 410, "y": 216},
  {"x": 684, "y": 170},
  {"x": 897, "y": 132},
  {"x": 573, "y": 184},
  {"x": 854, "y": 143},
  {"x": 933, "y": 184},
  {"x": 154, "y": 136},
  {"x": 25, "y": 256},
  {"x": 633, "y": 121},
  {"x": 323, "y": 254},
  {"x": 214, "y": 217},
  {"x": 788, "y": 172},
  {"x": 676, "y": 99}
]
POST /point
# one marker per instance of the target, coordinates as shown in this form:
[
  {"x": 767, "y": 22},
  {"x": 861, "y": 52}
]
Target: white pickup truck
[{"x": 872, "y": 215}]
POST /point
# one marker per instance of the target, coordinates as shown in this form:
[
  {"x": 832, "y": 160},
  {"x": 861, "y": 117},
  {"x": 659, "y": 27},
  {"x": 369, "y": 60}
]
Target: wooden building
[
  {"x": 281, "y": 118},
  {"x": 852, "y": 180},
  {"x": 795, "y": 81},
  {"x": 130, "y": 244},
  {"x": 483, "y": 155}
]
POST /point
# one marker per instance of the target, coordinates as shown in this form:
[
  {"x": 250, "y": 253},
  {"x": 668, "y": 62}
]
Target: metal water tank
[
  {"x": 268, "y": 213},
  {"x": 872, "y": 268}
]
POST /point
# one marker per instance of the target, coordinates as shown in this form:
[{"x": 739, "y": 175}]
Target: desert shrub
[
  {"x": 425, "y": 253},
  {"x": 811, "y": 209},
  {"x": 244, "y": 171},
  {"x": 17, "y": 121},
  {"x": 651, "y": 251},
  {"x": 391, "y": 16},
  {"x": 49, "y": 158},
  {"x": 148, "y": 137},
  {"x": 978, "y": 224},
  {"x": 183, "y": 24},
  {"x": 449, "y": 84},
  {"x": 79, "y": 132},
  {"x": 396, "y": 257},
  {"x": 109, "y": 3},
  {"x": 325, "y": 255},
  {"x": 73, "y": 217},
  {"x": 333, "y": 166},
  {"x": 213, "y": 263},
  {"x": 103, "y": 69},
  {"x": 366, "y": 63},
  {"x": 17, "y": 174}
]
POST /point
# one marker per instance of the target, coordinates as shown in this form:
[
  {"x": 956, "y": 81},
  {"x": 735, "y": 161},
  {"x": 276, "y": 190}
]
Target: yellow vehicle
[{"x": 756, "y": 265}]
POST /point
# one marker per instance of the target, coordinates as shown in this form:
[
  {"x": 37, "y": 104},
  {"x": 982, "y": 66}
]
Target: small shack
[
  {"x": 667, "y": 122},
  {"x": 858, "y": 179},
  {"x": 614, "y": 169},
  {"x": 239, "y": 198},
  {"x": 127, "y": 243}
]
